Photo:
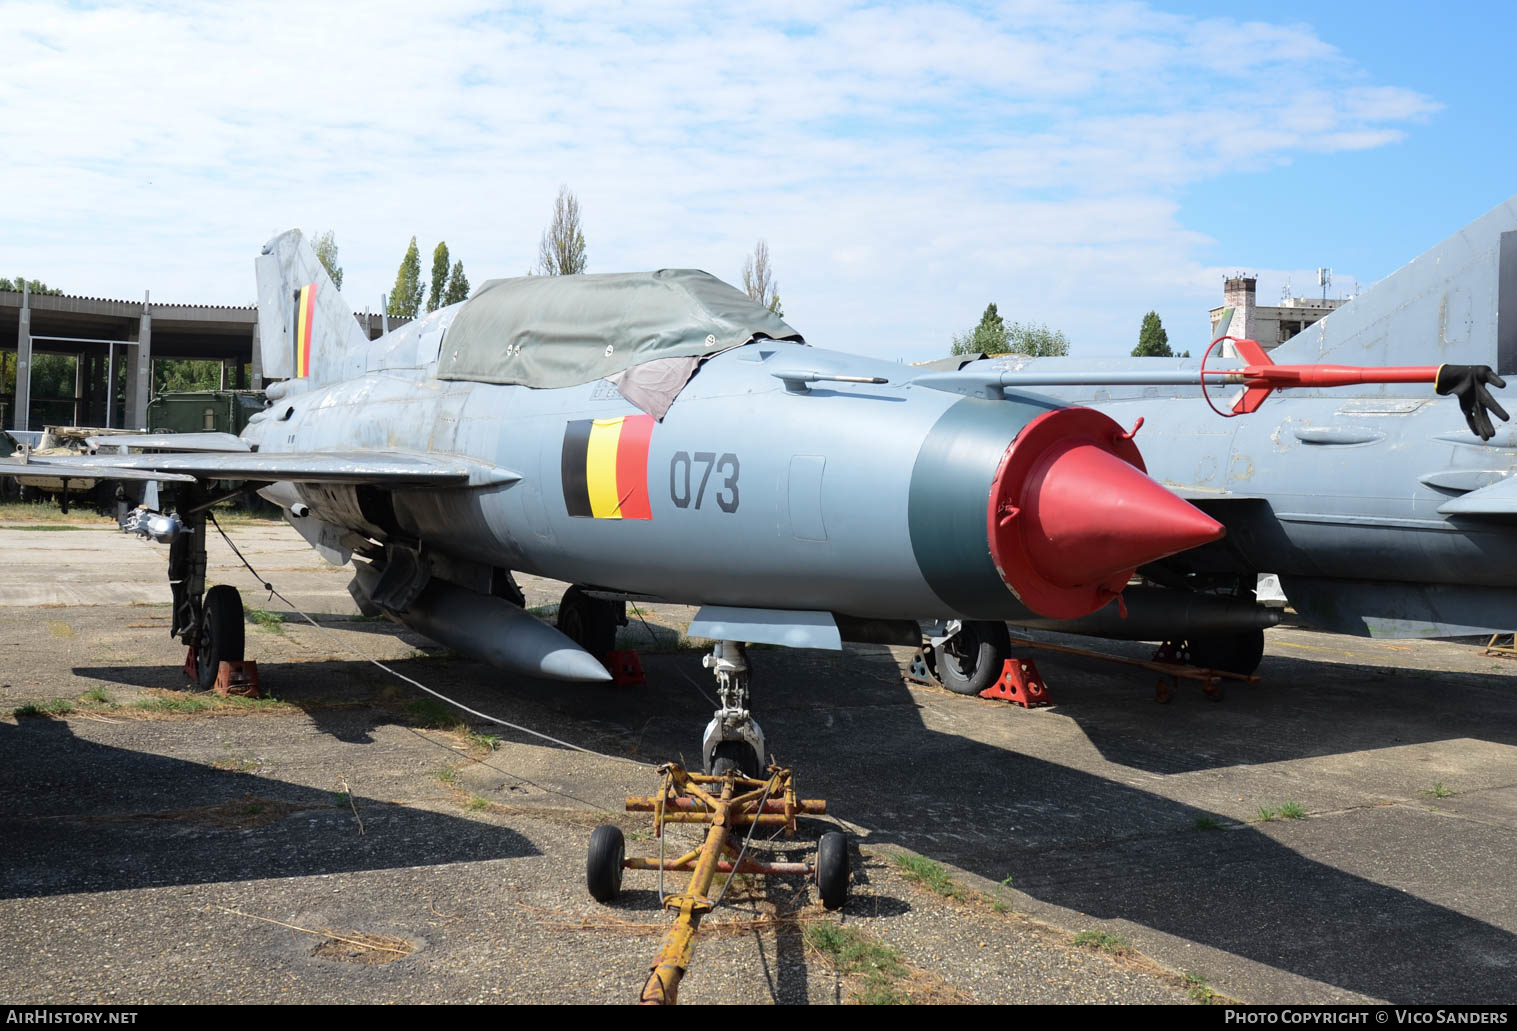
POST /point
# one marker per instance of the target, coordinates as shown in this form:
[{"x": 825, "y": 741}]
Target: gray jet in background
[{"x": 1381, "y": 510}]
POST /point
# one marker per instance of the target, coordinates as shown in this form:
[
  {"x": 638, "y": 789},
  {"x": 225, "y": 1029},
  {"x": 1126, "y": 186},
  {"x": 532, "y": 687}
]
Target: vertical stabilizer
[
  {"x": 306, "y": 329},
  {"x": 1457, "y": 304}
]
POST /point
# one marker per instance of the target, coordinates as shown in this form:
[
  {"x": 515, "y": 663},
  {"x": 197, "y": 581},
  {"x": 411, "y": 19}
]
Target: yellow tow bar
[{"x": 729, "y": 804}]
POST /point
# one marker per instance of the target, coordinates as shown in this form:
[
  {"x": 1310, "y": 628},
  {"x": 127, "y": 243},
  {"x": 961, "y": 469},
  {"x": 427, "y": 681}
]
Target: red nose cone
[
  {"x": 1072, "y": 514},
  {"x": 1092, "y": 517}
]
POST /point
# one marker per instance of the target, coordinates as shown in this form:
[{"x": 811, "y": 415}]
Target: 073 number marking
[{"x": 683, "y": 488}]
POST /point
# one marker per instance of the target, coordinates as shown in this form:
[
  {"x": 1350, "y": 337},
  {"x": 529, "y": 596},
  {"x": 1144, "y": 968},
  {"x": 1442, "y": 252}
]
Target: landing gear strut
[
  {"x": 210, "y": 622},
  {"x": 733, "y": 741},
  {"x": 970, "y": 659}
]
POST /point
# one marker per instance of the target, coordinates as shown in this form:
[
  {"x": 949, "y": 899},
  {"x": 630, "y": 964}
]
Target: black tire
[
  {"x": 603, "y": 864},
  {"x": 832, "y": 869},
  {"x": 588, "y": 622},
  {"x": 736, "y": 756},
  {"x": 1239, "y": 652},
  {"x": 221, "y": 634},
  {"x": 972, "y": 659}
]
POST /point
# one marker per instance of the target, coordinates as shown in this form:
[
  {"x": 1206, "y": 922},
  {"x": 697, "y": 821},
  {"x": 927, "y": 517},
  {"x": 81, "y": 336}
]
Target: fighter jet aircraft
[
  {"x": 649, "y": 436},
  {"x": 1383, "y": 512}
]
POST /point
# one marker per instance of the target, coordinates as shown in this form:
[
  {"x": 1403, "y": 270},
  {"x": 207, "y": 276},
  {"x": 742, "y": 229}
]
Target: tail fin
[
  {"x": 305, "y": 328},
  {"x": 1457, "y": 304}
]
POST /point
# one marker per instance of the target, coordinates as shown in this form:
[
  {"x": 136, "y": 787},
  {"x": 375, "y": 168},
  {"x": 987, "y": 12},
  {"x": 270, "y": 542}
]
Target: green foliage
[
  {"x": 1439, "y": 791},
  {"x": 405, "y": 296},
  {"x": 758, "y": 279},
  {"x": 1293, "y": 811},
  {"x": 326, "y": 252},
  {"x": 562, "y": 249},
  {"x": 928, "y": 874},
  {"x": 1111, "y": 944},
  {"x": 439, "y": 276},
  {"x": 852, "y": 952},
  {"x": 1037, "y": 341},
  {"x": 1208, "y": 823},
  {"x": 994, "y": 335},
  {"x": 183, "y": 374},
  {"x": 1153, "y": 341},
  {"x": 35, "y": 286},
  {"x": 458, "y": 285}
]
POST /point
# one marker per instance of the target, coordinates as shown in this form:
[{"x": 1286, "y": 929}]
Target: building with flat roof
[
  {"x": 111, "y": 337},
  {"x": 1271, "y": 326}
]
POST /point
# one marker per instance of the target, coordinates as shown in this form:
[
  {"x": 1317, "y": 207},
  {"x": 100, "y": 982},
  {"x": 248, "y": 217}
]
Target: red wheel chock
[
  {"x": 626, "y": 668},
  {"x": 238, "y": 678},
  {"x": 1019, "y": 682}
]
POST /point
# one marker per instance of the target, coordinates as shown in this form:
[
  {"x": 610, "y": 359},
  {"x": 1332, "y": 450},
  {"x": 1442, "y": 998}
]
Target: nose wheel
[{"x": 733, "y": 741}]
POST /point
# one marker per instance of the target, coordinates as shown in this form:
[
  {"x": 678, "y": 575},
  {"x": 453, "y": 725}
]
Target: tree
[
  {"x": 562, "y": 250},
  {"x": 989, "y": 337},
  {"x": 326, "y": 253},
  {"x": 439, "y": 276},
  {"x": 758, "y": 279},
  {"x": 1037, "y": 341},
  {"x": 405, "y": 297},
  {"x": 35, "y": 286},
  {"x": 458, "y": 285},
  {"x": 1153, "y": 342}
]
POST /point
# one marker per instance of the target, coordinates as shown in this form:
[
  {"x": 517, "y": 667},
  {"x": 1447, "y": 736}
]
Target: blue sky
[{"x": 1077, "y": 163}]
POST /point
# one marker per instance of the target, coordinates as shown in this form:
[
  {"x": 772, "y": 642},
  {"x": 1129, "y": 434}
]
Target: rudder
[{"x": 306, "y": 329}]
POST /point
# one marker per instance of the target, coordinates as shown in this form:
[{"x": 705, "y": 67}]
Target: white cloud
[{"x": 905, "y": 163}]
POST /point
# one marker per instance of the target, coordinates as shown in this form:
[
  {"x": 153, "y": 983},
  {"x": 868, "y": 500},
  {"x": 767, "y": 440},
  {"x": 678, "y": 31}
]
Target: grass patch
[
  {"x": 855, "y": 954},
  {"x": 49, "y": 513},
  {"x": 431, "y": 714},
  {"x": 173, "y": 703},
  {"x": 478, "y": 803},
  {"x": 1267, "y": 814},
  {"x": 36, "y": 710},
  {"x": 544, "y": 611},
  {"x": 1208, "y": 823},
  {"x": 486, "y": 743},
  {"x": 97, "y": 696},
  {"x": 1100, "y": 941},
  {"x": 273, "y": 622},
  {"x": 1438, "y": 790},
  {"x": 928, "y": 874},
  {"x": 448, "y": 775},
  {"x": 1293, "y": 811},
  {"x": 1195, "y": 987}
]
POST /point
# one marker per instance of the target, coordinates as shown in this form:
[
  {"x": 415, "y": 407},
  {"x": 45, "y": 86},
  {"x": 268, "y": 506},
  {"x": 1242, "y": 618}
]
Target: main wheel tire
[
  {"x": 735, "y": 756},
  {"x": 603, "y": 864},
  {"x": 222, "y": 634},
  {"x": 1239, "y": 652},
  {"x": 588, "y": 622},
  {"x": 832, "y": 869},
  {"x": 971, "y": 660}
]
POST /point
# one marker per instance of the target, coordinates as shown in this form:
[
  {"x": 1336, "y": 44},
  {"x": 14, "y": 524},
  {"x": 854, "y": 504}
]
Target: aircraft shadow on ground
[
  {"x": 80, "y": 816},
  {"x": 1067, "y": 837},
  {"x": 1300, "y": 708},
  {"x": 1090, "y": 844}
]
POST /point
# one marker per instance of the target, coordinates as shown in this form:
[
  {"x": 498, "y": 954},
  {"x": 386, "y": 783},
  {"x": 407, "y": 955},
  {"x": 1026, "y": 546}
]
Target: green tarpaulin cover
[{"x": 556, "y": 331}]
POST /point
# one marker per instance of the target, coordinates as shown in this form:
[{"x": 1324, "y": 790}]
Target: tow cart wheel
[
  {"x": 221, "y": 634},
  {"x": 603, "y": 866},
  {"x": 739, "y": 756},
  {"x": 832, "y": 869},
  {"x": 971, "y": 660}
]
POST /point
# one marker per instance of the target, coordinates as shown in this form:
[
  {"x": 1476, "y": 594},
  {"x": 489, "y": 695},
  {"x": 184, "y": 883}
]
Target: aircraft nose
[{"x": 1072, "y": 515}]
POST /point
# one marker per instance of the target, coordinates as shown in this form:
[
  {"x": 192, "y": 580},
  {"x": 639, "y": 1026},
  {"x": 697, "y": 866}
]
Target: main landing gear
[
  {"x": 967, "y": 656},
  {"x": 209, "y": 622}
]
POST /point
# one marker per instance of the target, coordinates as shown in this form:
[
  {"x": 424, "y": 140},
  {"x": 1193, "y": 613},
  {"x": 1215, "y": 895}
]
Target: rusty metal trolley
[{"x": 726, "y": 803}]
